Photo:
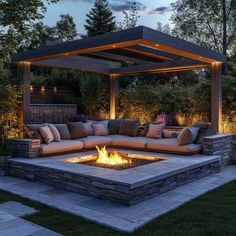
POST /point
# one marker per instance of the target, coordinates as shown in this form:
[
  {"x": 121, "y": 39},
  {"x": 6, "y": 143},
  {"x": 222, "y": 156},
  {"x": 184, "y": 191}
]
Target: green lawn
[{"x": 212, "y": 214}]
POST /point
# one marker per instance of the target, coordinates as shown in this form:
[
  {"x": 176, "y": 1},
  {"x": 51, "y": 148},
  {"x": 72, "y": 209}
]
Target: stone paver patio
[
  {"x": 113, "y": 215},
  {"x": 12, "y": 225}
]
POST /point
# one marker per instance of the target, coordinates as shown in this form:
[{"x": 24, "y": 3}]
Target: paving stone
[
  {"x": 17, "y": 209},
  {"x": 11, "y": 225},
  {"x": 121, "y": 217}
]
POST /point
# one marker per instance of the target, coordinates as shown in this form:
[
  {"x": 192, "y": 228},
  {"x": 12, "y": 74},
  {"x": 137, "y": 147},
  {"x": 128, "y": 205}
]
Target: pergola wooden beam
[
  {"x": 81, "y": 63},
  {"x": 117, "y": 57},
  {"x": 153, "y": 53},
  {"x": 168, "y": 66}
]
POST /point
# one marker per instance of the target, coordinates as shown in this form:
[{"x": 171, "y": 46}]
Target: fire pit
[{"x": 114, "y": 159}]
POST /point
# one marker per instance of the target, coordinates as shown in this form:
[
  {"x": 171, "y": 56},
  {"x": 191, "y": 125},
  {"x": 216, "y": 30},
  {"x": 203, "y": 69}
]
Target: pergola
[{"x": 136, "y": 51}]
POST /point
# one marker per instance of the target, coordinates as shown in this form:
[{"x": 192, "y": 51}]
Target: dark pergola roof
[{"x": 139, "y": 50}]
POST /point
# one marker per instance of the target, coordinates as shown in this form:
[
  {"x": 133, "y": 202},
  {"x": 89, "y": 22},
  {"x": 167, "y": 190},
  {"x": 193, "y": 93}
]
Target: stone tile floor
[
  {"x": 12, "y": 225},
  {"x": 112, "y": 215}
]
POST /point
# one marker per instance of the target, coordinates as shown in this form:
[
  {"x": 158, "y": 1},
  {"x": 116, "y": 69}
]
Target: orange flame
[{"x": 110, "y": 159}]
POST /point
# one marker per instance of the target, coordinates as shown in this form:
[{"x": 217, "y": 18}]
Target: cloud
[
  {"x": 159, "y": 11},
  {"x": 125, "y": 5}
]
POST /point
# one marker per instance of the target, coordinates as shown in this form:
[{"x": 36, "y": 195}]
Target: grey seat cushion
[
  {"x": 92, "y": 141},
  {"x": 126, "y": 141},
  {"x": 172, "y": 145},
  {"x": 61, "y": 147}
]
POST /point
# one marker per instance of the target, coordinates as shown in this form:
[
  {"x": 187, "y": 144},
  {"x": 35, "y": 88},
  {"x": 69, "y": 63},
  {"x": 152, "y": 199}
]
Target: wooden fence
[{"x": 52, "y": 113}]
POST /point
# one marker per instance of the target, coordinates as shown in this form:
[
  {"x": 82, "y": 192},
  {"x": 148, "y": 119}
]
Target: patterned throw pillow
[
  {"x": 55, "y": 132},
  {"x": 188, "y": 135},
  {"x": 155, "y": 131},
  {"x": 146, "y": 127},
  {"x": 46, "y": 134}
]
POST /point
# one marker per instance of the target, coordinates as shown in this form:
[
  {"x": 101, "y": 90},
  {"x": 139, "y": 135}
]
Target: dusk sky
[{"x": 151, "y": 11}]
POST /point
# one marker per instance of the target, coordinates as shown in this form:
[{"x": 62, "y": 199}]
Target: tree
[
  {"x": 40, "y": 34},
  {"x": 100, "y": 19},
  {"x": 16, "y": 18},
  {"x": 130, "y": 18},
  {"x": 164, "y": 28},
  {"x": 208, "y": 23},
  {"x": 66, "y": 28}
]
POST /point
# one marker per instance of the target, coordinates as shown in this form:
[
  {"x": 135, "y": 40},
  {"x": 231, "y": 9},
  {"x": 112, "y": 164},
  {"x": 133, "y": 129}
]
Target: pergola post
[
  {"x": 216, "y": 96},
  {"x": 114, "y": 90},
  {"x": 24, "y": 77}
]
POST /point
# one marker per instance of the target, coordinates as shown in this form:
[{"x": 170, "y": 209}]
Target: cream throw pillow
[
  {"x": 155, "y": 131},
  {"x": 99, "y": 129},
  {"x": 188, "y": 135},
  {"x": 46, "y": 134},
  {"x": 55, "y": 132}
]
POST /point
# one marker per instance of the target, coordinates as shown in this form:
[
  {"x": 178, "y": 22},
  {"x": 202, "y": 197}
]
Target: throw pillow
[
  {"x": 187, "y": 135},
  {"x": 104, "y": 123},
  {"x": 99, "y": 129},
  {"x": 146, "y": 127},
  {"x": 155, "y": 131},
  {"x": 129, "y": 127},
  {"x": 32, "y": 131},
  {"x": 77, "y": 130},
  {"x": 88, "y": 128},
  {"x": 46, "y": 134},
  {"x": 63, "y": 131},
  {"x": 170, "y": 134},
  {"x": 114, "y": 126},
  {"x": 204, "y": 130},
  {"x": 55, "y": 132}
]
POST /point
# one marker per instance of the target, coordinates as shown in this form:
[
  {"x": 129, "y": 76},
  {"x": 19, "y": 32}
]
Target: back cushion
[
  {"x": 187, "y": 135},
  {"x": 114, "y": 126},
  {"x": 77, "y": 130},
  {"x": 129, "y": 127},
  {"x": 63, "y": 131}
]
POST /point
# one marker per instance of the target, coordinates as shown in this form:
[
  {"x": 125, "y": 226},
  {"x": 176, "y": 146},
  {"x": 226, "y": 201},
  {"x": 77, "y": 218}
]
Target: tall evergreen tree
[
  {"x": 100, "y": 19},
  {"x": 66, "y": 28}
]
